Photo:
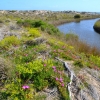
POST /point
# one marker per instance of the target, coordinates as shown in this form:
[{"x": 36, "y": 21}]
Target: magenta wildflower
[
  {"x": 26, "y": 55},
  {"x": 44, "y": 65},
  {"x": 25, "y": 87},
  {"x": 59, "y": 72},
  {"x": 57, "y": 79},
  {"x": 61, "y": 80},
  {"x": 54, "y": 50},
  {"x": 62, "y": 84},
  {"x": 53, "y": 67},
  {"x": 54, "y": 70}
]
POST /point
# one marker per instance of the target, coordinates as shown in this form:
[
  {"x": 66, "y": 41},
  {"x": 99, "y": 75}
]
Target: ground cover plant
[
  {"x": 34, "y": 67},
  {"x": 30, "y": 74},
  {"x": 39, "y": 24},
  {"x": 35, "y": 76},
  {"x": 9, "y": 41}
]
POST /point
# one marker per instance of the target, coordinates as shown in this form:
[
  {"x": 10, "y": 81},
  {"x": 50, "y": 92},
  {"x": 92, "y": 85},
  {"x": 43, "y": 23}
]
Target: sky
[{"x": 53, "y": 5}]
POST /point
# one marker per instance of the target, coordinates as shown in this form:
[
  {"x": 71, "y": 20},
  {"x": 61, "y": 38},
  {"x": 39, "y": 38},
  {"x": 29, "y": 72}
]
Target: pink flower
[
  {"x": 26, "y": 55},
  {"x": 61, "y": 80},
  {"x": 54, "y": 70},
  {"x": 54, "y": 50},
  {"x": 59, "y": 72},
  {"x": 57, "y": 79},
  {"x": 44, "y": 65},
  {"x": 25, "y": 87},
  {"x": 63, "y": 47},
  {"x": 62, "y": 84},
  {"x": 53, "y": 67}
]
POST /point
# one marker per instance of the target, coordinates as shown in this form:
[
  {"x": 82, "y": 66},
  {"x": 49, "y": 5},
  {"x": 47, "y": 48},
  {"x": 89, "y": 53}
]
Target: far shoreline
[{"x": 63, "y": 21}]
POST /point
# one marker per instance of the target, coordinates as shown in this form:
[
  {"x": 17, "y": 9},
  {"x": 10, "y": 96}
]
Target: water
[{"x": 84, "y": 29}]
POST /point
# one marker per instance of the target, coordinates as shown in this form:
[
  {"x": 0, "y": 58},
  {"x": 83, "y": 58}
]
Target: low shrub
[
  {"x": 77, "y": 16},
  {"x": 9, "y": 41},
  {"x": 25, "y": 23},
  {"x": 30, "y": 23},
  {"x": 38, "y": 23},
  {"x": 95, "y": 60},
  {"x": 50, "y": 29},
  {"x": 29, "y": 70},
  {"x": 15, "y": 90},
  {"x": 35, "y": 75},
  {"x": 34, "y": 32}
]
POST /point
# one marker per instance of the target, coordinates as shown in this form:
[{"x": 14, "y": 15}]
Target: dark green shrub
[
  {"x": 39, "y": 24},
  {"x": 50, "y": 32},
  {"x": 12, "y": 11},
  {"x": 77, "y": 16},
  {"x": 43, "y": 27},
  {"x": 31, "y": 23}
]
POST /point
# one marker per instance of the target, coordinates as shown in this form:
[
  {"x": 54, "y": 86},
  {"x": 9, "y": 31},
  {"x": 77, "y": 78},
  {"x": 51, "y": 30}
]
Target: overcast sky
[{"x": 54, "y": 5}]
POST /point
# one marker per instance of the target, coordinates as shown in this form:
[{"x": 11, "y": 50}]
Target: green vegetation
[
  {"x": 29, "y": 73},
  {"x": 77, "y": 16},
  {"x": 39, "y": 24},
  {"x": 9, "y": 41},
  {"x": 33, "y": 65},
  {"x": 97, "y": 26},
  {"x": 35, "y": 75},
  {"x": 71, "y": 36},
  {"x": 33, "y": 32},
  {"x": 30, "y": 23}
]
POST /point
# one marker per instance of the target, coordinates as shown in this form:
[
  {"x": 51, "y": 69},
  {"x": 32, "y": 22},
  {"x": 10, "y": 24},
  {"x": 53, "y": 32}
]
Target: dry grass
[
  {"x": 80, "y": 46},
  {"x": 83, "y": 47}
]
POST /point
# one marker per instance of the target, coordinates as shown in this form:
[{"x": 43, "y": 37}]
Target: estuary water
[{"x": 84, "y": 30}]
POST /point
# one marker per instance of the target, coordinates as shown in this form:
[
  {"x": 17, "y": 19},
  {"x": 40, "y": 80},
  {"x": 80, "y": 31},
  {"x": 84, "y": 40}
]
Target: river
[{"x": 84, "y": 30}]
